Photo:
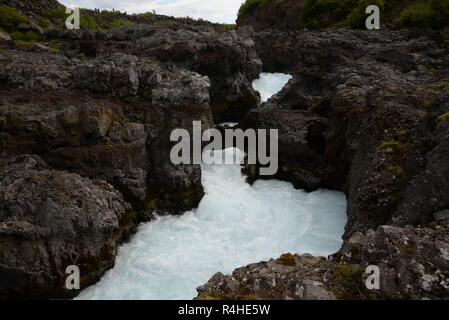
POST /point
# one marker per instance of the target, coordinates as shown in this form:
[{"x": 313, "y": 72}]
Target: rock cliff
[
  {"x": 85, "y": 124},
  {"x": 365, "y": 113}
]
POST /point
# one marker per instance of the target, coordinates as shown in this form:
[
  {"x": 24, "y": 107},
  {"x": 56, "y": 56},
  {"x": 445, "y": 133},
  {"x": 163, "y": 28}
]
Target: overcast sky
[{"x": 224, "y": 11}]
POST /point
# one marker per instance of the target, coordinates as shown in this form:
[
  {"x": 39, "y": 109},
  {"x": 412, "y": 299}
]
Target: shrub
[
  {"x": 356, "y": 19},
  {"x": 250, "y": 5},
  {"x": 144, "y": 15},
  {"x": 229, "y": 27},
  {"x": 323, "y": 13},
  {"x": 89, "y": 22},
  {"x": 55, "y": 14},
  {"x": 425, "y": 13},
  {"x": 10, "y": 18},
  {"x": 412, "y": 14},
  {"x": 43, "y": 22},
  {"x": 393, "y": 146}
]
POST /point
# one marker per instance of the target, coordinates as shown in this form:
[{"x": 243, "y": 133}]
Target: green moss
[
  {"x": 145, "y": 15},
  {"x": 229, "y": 27},
  {"x": 44, "y": 23},
  {"x": 397, "y": 171},
  {"x": 323, "y": 13},
  {"x": 89, "y": 22},
  {"x": 432, "y": 91},
  {"x": 28, "y": 36},
  {"x": 10, "y": 18},
  {"x": 392, "y": 146},
  {"x": 209, "y": 295},
  {"x": 55, "y": 14},
  {"x": 424, "y": 13},
  {"x": 54, "y": 44},
  {"x": 288, "y": 260},
  {"x": 356, "y": 19},
  {"x": 167, "y": 21},
  {"x": 401, "y": 14},
  {"x": 250, "y": 5},
  {"x": 118, "y": 23},
  {"x": 444, "y": 117},
  {"x": 348, "y": 282}
]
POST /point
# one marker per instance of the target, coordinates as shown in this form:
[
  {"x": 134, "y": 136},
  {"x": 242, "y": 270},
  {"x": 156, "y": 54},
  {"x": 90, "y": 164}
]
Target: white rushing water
[
  {"x": 269, "y": 84},
  {"x": 234, "y": 225}
]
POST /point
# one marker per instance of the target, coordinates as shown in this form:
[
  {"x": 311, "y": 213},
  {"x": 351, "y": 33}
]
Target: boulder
[
  {"x": 50, "y": 220},
  {"x": 413, "y": 264}
]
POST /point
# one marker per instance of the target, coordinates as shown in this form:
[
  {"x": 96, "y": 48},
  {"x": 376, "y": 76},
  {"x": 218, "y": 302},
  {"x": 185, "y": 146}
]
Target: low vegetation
[
  {"x": 10, "y": 18},
  {"x": 425, "y": 13},
  {"x": 250, "y": 5},
  {"x": 28, "y": 36},
  {"x": 444, "y": 117},
  {"x": 348, "y": 282},
  {"x": 119, "y": 23},
  {"x": 288, "y": 260},
  {"x": 392, "y": 146},
  {"x": 322, "y": 13},
  {"x": 397, "y": 14}
]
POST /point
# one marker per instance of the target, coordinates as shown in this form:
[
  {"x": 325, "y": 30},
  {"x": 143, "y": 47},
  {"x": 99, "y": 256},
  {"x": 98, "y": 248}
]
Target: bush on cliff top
[
  {"x": 424, "y": 13},
  {"x": 398, "y": 14},
  {"x": 321, "y": 13},
  {"x": 10, "y": 18},
  {"x": 250, "y": 5},
  {"x": 356, "y": 19}
]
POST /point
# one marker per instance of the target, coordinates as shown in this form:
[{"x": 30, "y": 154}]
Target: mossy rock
[
  {"x": 348, "y": 284},
  {"x": 398, "y": 171},
  {"x": 444, "y": 117},
  {"x": 28, "y": 37},
  {"x": 209, "y": 295},
  {"x": 10, "y": 18},
  {"x": 288, "y": 260},
  {"x": 393, "y": 146}
]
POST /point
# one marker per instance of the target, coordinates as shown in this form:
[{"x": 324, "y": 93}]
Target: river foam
[{"x": 235, "y": 224}]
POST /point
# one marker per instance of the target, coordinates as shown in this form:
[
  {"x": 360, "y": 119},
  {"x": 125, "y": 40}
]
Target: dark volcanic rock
[
  {"x": 413, "y": 264},
  {"x": 85, "y": 141},
  {"x": 229, "y": 59},
  {"x": 52, "y": 219},
  {"x": 366, "y": 113},
  {"x": 125, "y": 142},
  {"x": 372, "y": 127},
  {"x": 231, "y": 93},
  {"x": 275, "y": 14},
  {"x": 287, "y": 278}
]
